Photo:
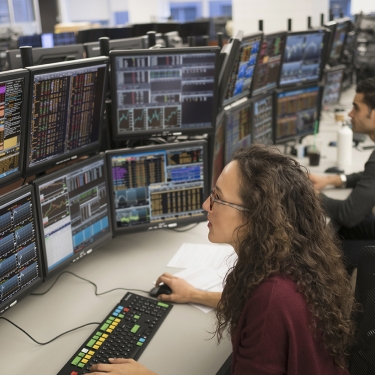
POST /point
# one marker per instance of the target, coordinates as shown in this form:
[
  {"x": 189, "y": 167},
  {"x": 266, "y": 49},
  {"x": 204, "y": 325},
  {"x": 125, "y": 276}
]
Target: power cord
[{"x": 73, "y": 329}]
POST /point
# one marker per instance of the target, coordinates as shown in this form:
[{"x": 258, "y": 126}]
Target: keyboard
[{"x": 124, "y": 333}]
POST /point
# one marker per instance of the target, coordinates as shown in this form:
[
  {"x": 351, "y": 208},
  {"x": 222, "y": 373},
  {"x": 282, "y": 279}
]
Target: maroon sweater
[{"x": 274, "y": 338}]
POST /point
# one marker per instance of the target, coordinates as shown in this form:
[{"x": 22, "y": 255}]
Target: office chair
[{"x": 362, "y": 361}]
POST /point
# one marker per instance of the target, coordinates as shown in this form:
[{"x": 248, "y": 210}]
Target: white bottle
[{"x": 344, "y": 146}]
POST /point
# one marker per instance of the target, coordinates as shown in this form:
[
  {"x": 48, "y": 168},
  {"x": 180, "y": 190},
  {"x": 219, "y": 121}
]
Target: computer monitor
[
  {"x": 303, "y": 58},
  {"x": 296, "y": 112},
  {"x": 333, "y": 78},
  {"x": 238, "y": 78},
  {"x": 140, "y": 42},
  {"x": 91, "y": 35},
  {"x": 20, "y": 256},
  {"x": 56, "y": 54},
  {"x": 163, "y": 91},
  {"x": 338, "y": 42},
  {"x": 367, "y": 25},
  {"x": 262, "y": 119},
  {"x": 194, "y": 28},
  {"x": 73, "y": 212},
  {"x": 218, "y": 148},
  {"x": 50, "y": 40},
  {"x": 65, "y": 112},
  {"x": 166, "y": 27},
  {"x": 161, "y": 186},
  {"x": 237, "y": 128},
  {"x": 141, "y": 29},
  {"x": 267, "y": 71},
  {"x": 14, "y": 87},
  {"x": 121, "y": 32},
  {"x": 30, "y": 40}
]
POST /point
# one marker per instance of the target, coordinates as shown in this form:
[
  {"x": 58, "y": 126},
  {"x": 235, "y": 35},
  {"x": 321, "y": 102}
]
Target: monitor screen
[
  {"x": 241, "y": 71},
  {"x": 159, "y": 186},
  {"x": 65, "y": 112},
  {"x": 303, "y": 58},
  {"x": 13, "y": 112},
  {"x": 62, "y": 39},
  {"x": 218, "y": 148},
  {"x": 267, "y": 71},
  {"x": 338, "y": 41},
  {"x": 237, "y": 129},
  {"x": 163, "y": 91},
  {"x": 73, "y": 212},
  {"x": 20, "y": 260},
  {"x": 332, "y": 85},
  {"x": 30, "y": 40},
  {"x": 262, "y": 119},
  {"x": 296, "y": 112}
]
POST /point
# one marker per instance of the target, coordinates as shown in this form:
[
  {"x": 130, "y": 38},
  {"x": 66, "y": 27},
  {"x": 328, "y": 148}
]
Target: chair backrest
[{"x": 362, "y": 360}]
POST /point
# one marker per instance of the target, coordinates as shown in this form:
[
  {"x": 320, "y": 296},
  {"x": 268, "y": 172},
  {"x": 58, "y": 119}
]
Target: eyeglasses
[{"x": 217, "y": 200}]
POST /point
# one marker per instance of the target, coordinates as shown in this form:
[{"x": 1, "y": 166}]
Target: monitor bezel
[
  {"x": 275, "y": 112},
  {"x": 322, "y": 58},
  {"x": 257, "y": 66},
  {"x": 90, "y": 149},
  {"x": 65, "y": 52},
  {"x": 169, "y": 223},
  {"x": 86, "y": 250},
  {"x": 221, "y": 117},
  {"x": 7, "y": 76},
  {"x": 116, "y": 136},
  {"x": 227, "y": 75},
  {"x": 339, "y": 21},
  {"x": 21, "y": 191},
  {"x": 333, "y": 69}
]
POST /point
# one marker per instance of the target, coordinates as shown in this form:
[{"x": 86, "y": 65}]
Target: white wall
[
  {"x": 365, "y": 6},
  {"x": 275, "y": 14}
]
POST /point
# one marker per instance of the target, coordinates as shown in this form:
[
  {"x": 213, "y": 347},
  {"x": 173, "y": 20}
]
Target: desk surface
[{"x": 181, "y": 345}]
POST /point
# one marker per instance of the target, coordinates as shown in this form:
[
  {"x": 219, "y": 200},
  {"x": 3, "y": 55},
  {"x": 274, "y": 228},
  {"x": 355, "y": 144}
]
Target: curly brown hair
[{"x": 286, "y": 233}]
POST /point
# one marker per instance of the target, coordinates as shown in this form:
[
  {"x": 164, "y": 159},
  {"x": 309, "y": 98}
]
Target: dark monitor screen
[
  {"x": 237, "y": 129},
  {"x": 93, "y": 49},
  {"x": 159, "y": 186},
  {"x": 338, "y": 41},
  {"x": 73, "y": 212},
  {"x": 141, "y": 29},
  {"x": 30, "y": 40},
  {"x": 20, "y": 257},
  {"x": 296, "y": 112},
  {"x": 218, "y": 148},
  {"x": 164, "y": 91},
  {"x": 14, "y": 87},
  {"x": 267, "y": 71},
  {"x": 166, "y": 27},
  {"x": 303, "y": 58},
  {"x": 65, "y": 112},
  {"x": 241, "y": 71},
  {"x": 262, "y": 119},
  {"x": 332, "y": 85},
  {"x": 120, "y": 32}
]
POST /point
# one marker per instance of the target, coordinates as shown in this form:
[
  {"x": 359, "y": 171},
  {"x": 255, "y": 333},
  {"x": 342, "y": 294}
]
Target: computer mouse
[
  {"x": 161, "y": 289},
  {"x": 334, "y": 170}
]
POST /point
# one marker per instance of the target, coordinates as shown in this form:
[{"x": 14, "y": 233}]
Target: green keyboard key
[
  {"x": 76, "y": 360},
  {"x": 104, "y": 326},
  {"x": 161, "y": 304},
  {"x": 91, "y": 343},
  {"x": 135, "y": 328}
]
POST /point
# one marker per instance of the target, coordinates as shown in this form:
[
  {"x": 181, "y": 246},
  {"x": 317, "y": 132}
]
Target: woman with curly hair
[{"x": 287, "y": 302}]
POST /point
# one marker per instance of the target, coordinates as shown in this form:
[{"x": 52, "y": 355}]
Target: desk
[{"x": 182, "y": 344}]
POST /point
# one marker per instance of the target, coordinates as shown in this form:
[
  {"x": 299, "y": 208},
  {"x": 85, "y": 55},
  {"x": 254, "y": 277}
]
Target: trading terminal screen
[
  {"x": 297, "y": 110},
  {"x": 338, "y": 42},
  {"x": 66, "y": 112},
  {"x": 332, "y": 86},
  {"x": 73, "y": 209},
  {"x": 303, "y": 57},
  {"x": 267, "y": 71},
  {"x": 13, "y": 105},
  {"x": 241, "y": 76},
  {"x": 238, "y": 129},
  {"x": 20, "y": 268},
  {"x": 262, "y": 120},
  {"x": 158, "y": 186},
  {"x": 164, "y": 91}
]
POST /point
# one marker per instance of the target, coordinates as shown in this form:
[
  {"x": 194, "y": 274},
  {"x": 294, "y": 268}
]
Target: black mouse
[
  {"x": 334, "y": 170},
  {"x": 161, "y": 289}
]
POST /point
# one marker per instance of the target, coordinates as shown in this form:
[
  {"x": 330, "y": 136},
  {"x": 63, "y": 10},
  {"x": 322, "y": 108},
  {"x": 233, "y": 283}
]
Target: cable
[
  {"x": 183, "y": 230},
  {"x": 47, "y": 342},
  {"x": 92, "y": 283}
]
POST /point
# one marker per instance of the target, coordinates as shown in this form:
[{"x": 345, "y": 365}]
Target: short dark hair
[{"x": 367, "y": 88}]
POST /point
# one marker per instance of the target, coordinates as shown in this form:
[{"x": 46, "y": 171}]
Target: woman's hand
[{"x": 120, "y": 366}]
